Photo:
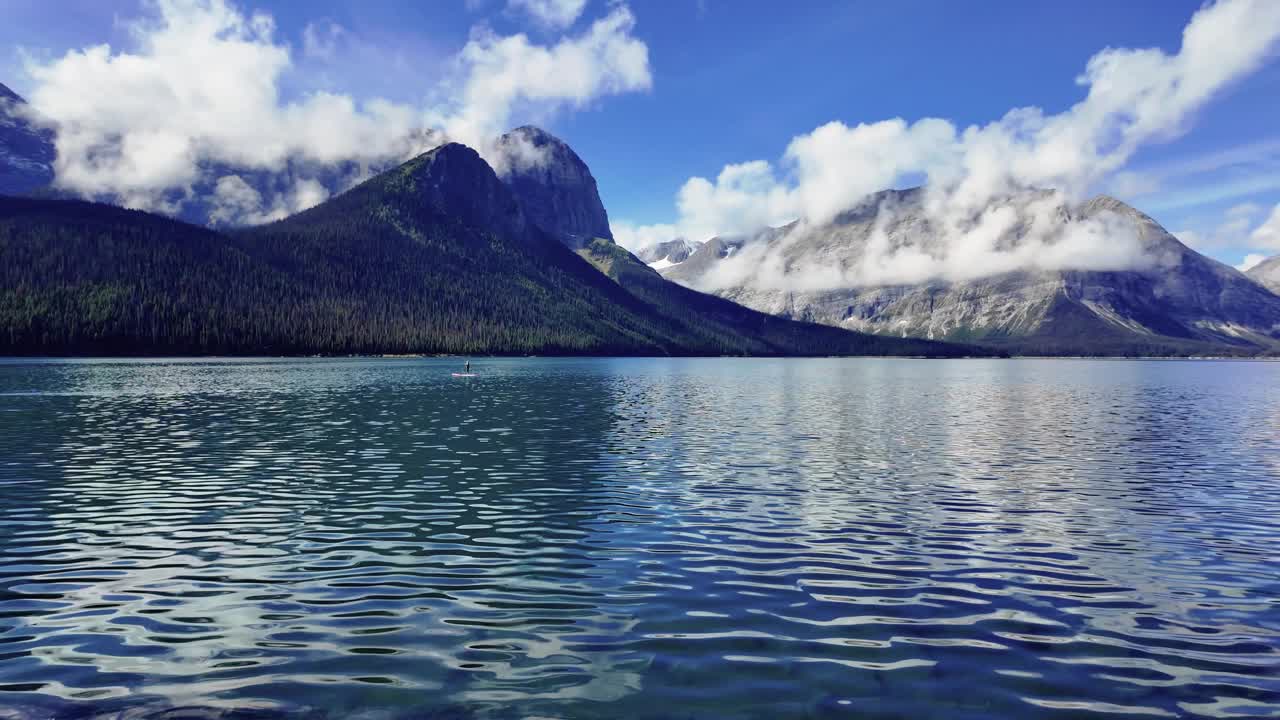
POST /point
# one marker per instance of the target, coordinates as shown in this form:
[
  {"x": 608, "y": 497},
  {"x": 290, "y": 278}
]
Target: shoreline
[{"x": 15, "y": 359}]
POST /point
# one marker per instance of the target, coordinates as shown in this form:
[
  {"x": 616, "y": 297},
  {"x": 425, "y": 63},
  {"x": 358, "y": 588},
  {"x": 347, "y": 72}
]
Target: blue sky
[{"x": 735, "y": 81}]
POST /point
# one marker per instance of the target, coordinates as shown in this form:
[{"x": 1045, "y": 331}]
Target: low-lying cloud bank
[
  {"x": 1134, "y": 97},
  {"x": 199, "y": 91},
  {"x": 895, "y": 240}
]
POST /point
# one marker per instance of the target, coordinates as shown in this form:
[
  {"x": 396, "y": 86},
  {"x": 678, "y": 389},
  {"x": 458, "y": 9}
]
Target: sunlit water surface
[{"x": 639, "y": 538}]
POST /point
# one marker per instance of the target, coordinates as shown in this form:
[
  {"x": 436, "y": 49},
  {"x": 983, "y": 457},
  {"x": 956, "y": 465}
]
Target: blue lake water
[{"x": 648, "y": 538}]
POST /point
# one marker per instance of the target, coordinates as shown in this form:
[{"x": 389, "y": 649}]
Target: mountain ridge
[
  {"x": 1183, "y": 304},
  {"x": 434, "y": 256},
  {"x": 545, "y": 190},
  {"x": 666, "y": 254},
  {"x": 1266, "y": 274}
]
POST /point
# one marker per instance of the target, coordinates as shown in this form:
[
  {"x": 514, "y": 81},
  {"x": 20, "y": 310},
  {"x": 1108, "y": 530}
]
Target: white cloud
[
  {"x": 1232, "y": 231},
  {"x": 1250, "y": 260},
  {"x": 1247, "y": 164},
  {"x": 1133, "y": 97},
  {"x": 201, "y": 85},
  {"x": 744, "y": 197},
  {"x": 320, "y": 39},
  {"x": 637, "y": 237},
  {"x": 898, "y": 240},
  {"x": 551, "y": 13},
  {"x": 1267, "y": 235},
  {"x": 236, "y": 202},
  {"x": 1214, "y": 190},
  {"x": 497, "y": 76},
  {"x": 1246, "y": 227}
]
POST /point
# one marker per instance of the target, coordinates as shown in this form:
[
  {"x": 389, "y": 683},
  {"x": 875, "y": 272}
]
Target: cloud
[
  {"x": 320, "y": 40},
  {"x": 200, "y": 88},
  {"x": 1245, "y": 228},
  {"x": 1267, "y": 235},
  {"x": 1133, "y": 97},
  {"x": 236, "y": 202},
  {"x": 1244, "y": 165},
  {"x": 896, "y": 238},
  {"x": 1232, "y": 231},
  {"x": 497, "y": 76},
  {"x": 637, "y": 237},
  {"x": 1250, "y": 261},
  {"x": 744, "y": 197},
  {"x": 553, "y": 14},
  {"x": 1216, "y": 190}
]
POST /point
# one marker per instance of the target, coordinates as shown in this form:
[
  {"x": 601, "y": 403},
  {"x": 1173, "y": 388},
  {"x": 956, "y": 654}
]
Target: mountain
[
  {"x": 708, "y": 317},
  {"x": 562, "y": 180},
  {"x": 26, "y": 152},
  {"x": 436, "y": 255},
  {"x": 694, "y": 269},
  {"x": 665, "y": 254},
  {"x": 1184, "y": 304},
  {"x": 554, "y": 184},
  {"x": 1267, "y": 274}
]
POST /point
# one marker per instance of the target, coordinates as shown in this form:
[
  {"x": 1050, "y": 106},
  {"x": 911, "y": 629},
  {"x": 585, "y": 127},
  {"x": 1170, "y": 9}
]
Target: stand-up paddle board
[{"x": 464, "y": 374}]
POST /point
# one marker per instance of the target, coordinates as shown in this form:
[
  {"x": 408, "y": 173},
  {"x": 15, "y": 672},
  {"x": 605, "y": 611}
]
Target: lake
[{"x": 639, "y": 538}]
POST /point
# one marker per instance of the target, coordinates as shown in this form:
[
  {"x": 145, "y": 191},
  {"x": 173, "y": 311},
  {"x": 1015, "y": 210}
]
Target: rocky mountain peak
[
  {"x": 871, "y": 205},
  {"x": 26, "y": 152},
  {"x": 453, "y": 180},
  {"x": 537, "y": 135},
  {"x": 1169, "y": 300},
  {"x": 669, "y": 253},
  {"x": 555, "y": 186},
  {"x": 1267, "y": 274},
  {"x": 1108, "y": 204}
]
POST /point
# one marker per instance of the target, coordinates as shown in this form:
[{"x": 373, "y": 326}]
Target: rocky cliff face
[
  {"x": 1267, "y": 274},
  {"x": 671, "y": 252},
  {"x": 555, "y": 186},
  {"x": 26, "y": 152},
  {"x": 1181, "y": 302},
  {"x": 454, "y": 181}
]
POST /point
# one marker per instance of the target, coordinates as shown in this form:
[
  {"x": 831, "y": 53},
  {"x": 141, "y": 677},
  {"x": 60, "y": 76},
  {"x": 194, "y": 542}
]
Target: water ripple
[{"x": 639, "y": 538}]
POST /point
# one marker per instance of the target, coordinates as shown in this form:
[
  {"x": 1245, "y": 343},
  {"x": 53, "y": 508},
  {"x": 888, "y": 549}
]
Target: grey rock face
[
  {"x": 672, "y": 251},
  {"x": 708, "y": 254},
  {"x": 1182, "y": 303},
  {"x": 555, "y": 186},
  {"x": 1267, "y": 274},
  {"x": 26, "y": 151}
]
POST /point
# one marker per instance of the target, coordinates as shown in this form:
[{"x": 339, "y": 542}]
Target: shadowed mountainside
[{"x": 436, "y": 255}]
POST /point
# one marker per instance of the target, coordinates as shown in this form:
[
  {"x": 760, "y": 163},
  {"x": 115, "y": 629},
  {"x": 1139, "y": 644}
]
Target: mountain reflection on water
[{"x": 639, "y": 538}]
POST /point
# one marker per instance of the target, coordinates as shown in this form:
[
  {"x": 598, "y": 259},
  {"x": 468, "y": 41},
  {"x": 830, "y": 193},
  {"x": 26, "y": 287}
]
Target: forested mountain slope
[{"x": 434, "y": 256}]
